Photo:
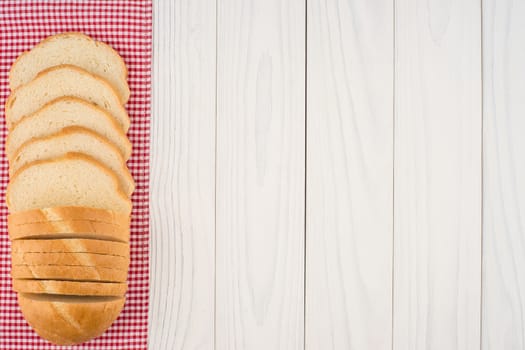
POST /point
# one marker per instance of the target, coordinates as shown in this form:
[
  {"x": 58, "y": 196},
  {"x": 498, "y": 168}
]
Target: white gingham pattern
[{"x": 126, "y": 25}]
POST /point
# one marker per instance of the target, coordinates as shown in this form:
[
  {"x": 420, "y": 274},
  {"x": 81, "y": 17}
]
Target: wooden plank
[
  {"x": 183, "y": 176},
  {"x": 503, "y": 326},
  {"x": 260, "y": 174},
  {"x": 349, "y": 175},
  {"x": 437, "y": 177}
]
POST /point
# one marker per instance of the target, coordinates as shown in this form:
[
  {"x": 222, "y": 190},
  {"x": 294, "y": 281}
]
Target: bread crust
[
  {"x": 13, "y": 96},
  {"x": 70, "y": 245},
  {"x": 125, "y": 148},
  {"x": 70, "y": 287},
  {"x": 70, "y": 259},
  {"x": 69, "y": 273},
  {"x": 73, "y": 156},
  {"x": 68, "y": 213},
  {"x": 67, "y": 322},
  {"x": 126, "y": 182},
  {"x": 69, "y": 228},
  {"x": 123, "y": 97}
]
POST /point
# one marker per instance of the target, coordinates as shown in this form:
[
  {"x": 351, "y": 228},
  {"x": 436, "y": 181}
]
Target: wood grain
[
  {"x": 183, "y": 176},
  {"x": 437, "y": 187},
  {"x": 504, "y": 175},
  {"x": 260, "y": 174},
  {"x": 349, "y": 175}
]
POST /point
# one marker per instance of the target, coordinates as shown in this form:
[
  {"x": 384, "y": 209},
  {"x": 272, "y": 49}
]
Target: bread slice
[
  {"x": 69, "y": 320},
  {"x": 68, "y": 213},
  {"x": 69, "y": 229},
  {"x": 70, "y": 245},
  {"x": 74, "y": 139},
  {"x": 61, "y": 81},
  {"x": 76, "y": 49},
  {"x": 72, "y": 180},
  {"x": 70, "y": 259},
  {"x": 64, "y": 112},
  {"x": 69, "y": 273},
  {"x": 69, "y": 287}
]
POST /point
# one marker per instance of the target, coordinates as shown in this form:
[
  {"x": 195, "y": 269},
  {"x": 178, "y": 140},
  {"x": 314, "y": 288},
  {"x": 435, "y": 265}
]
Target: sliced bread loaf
[
  {"x": 69, "y": 273},
  {"x": 69, "y": 287},
  {"x": 61, "y": 81},
  {"x": 76, "y": 49},
  {"x": 72, "y": 180},
  {"x": 74, "y": 139},
  {"x": 64, "y": 112},
  {"x": 70, "y": 245},
  {"x": 70, "y": 229},
  {"x": 68, "y": 320},
  {"x": 68, "y": 213}
]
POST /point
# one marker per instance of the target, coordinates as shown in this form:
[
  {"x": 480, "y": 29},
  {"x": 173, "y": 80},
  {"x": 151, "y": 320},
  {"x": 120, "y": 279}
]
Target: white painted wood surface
[
  {"x": 349, "y": 175},
  {"x": 504, "y": 175},
  {"x": 183, "y": 176},
  {"x": 437, "y": 177},
  {"x": 260, "y": 174},
  {"x": 378, "y": 105}
]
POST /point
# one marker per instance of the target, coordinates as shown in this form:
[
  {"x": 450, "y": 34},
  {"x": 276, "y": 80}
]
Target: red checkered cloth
[{"x": 126, "y": 25}]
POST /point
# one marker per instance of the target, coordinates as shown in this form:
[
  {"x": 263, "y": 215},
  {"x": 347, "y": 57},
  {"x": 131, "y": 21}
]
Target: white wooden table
[{"x": 338, "y": 175}]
